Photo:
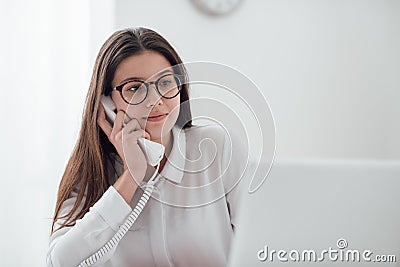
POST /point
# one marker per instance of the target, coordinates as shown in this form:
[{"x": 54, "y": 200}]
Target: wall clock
[{"x": 216, "y": 7}]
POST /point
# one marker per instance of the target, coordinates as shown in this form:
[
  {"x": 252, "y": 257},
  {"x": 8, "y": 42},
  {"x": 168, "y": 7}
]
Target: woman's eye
[
  {"x": 133, "y": 88},
  {"x": 165, "y": 83}
]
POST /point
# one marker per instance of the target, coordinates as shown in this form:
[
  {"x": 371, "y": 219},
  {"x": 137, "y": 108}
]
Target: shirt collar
[{"x": 174, "y": 167}]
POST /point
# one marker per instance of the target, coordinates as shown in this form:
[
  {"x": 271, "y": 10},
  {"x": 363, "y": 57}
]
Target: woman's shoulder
[{"x": 200, "y": 132}]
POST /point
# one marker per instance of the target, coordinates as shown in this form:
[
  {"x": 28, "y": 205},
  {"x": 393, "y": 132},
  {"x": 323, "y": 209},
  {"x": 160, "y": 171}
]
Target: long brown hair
[{"x": 87, "y": 168}]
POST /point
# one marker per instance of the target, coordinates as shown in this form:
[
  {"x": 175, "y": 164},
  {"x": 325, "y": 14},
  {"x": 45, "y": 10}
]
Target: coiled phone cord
[{"x": 113, "y": 242}]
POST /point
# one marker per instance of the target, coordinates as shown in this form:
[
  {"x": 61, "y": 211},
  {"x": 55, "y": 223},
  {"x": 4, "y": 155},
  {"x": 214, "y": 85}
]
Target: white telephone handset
[{"x": 154, "y": 152}]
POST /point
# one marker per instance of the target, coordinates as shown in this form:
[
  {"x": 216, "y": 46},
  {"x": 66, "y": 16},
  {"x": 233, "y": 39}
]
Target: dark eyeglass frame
[{"x": 147, "y": 84}]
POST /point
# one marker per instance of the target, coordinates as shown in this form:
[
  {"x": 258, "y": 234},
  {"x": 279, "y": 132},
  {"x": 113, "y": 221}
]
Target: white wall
[
  {"x": 44, "y": 74},
  {"x": 329, "y": 69}
]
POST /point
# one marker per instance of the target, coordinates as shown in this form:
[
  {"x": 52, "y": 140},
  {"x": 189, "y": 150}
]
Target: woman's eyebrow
[{"x": 143, "y": 79}]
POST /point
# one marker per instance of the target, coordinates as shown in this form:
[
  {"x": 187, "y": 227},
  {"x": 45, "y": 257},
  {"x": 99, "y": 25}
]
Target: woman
[{"x": 190, "y": 220}]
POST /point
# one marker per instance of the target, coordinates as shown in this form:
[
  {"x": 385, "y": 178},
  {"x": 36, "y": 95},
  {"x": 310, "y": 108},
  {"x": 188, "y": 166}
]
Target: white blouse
[{"x": 189, "y": 221}]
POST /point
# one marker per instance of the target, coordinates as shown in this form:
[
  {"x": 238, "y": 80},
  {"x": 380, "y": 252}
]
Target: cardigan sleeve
[{"x": 69, "y": 246}]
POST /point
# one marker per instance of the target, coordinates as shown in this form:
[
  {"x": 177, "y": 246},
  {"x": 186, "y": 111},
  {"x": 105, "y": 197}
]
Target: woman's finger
[
  {"x": 102, "y": 121},
  {"x": 135, "y": 135},
  {"x": 133, "y": 125},
  {"x": 119, "y": 122}
]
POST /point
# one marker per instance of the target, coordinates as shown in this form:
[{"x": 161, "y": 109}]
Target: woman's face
[{"x": 146, "y": 66}]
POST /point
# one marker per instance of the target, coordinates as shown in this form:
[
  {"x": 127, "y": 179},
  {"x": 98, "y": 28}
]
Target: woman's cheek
[{"x": 174, "y": 110}]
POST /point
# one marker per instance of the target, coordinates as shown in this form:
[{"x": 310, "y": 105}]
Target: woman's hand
[{"x": 125, "y": 142}]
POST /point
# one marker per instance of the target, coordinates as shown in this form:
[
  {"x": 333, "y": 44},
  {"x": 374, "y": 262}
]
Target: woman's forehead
[{"x": 142, "y": 66}]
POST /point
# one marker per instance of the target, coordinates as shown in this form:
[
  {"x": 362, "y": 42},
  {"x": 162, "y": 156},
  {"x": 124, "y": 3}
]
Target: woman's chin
[{"x": 157, "y": 134}]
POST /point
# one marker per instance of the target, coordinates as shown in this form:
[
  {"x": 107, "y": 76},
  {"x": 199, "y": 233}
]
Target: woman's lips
[{"x": 157, "y": 118}]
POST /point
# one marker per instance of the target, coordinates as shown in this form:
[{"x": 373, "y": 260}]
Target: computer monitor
[{"x": 306, "y": 210}]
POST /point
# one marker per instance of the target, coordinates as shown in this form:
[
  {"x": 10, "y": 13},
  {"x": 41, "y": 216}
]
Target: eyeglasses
[{"x": 135, "y": 91}]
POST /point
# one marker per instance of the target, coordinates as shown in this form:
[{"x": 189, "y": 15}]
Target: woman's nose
[{"x": 153, "y": 98}]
